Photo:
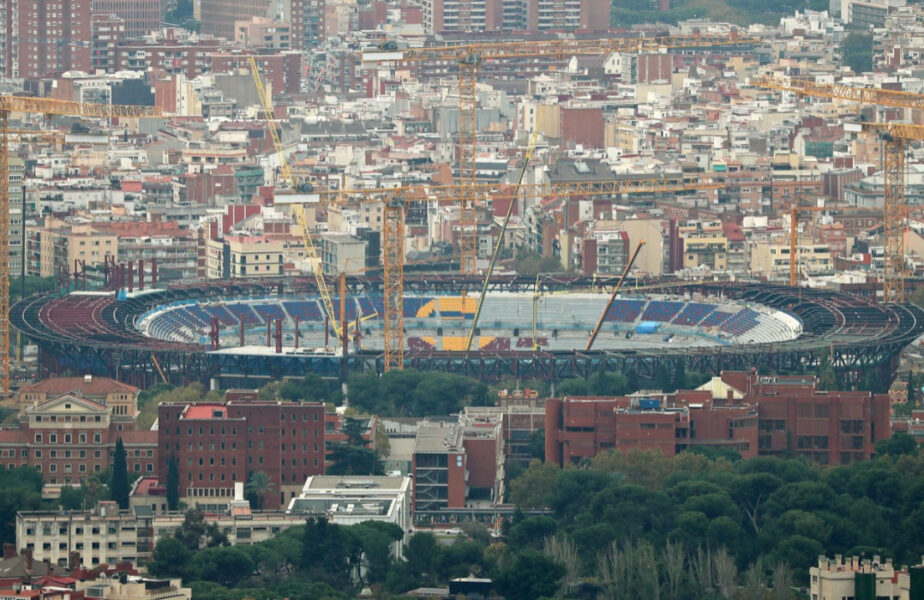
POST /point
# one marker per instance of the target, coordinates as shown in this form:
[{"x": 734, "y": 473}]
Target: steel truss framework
[{"x": 837, "y": 330}]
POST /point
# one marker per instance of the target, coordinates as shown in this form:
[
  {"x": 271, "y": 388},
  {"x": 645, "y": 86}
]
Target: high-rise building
[
  {"x": 45, "y": 37},
  {"x": 108, "y": 31},
  {"x": 141, "y": 16},
  {"x": 307, "y": 20},
  {"x": 16, "y": 171},
  {"x": 218, "y": 16}
]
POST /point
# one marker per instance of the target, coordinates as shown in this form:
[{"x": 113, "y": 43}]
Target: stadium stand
[{"x": 625, "y": 310}]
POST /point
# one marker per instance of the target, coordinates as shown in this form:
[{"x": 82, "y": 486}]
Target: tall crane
[
  {"x": 469, "y": 57},
  {"x": 310, "y": 249},
  {"x": 394, "y": 200},
  {"x": 48, "y": 107},
  {"x": 895, "y": 137}
]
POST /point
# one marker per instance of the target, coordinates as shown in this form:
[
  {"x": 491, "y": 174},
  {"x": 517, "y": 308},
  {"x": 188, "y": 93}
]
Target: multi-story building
[
  {"x": 580, "y": 428},
  {"x": 55, "y": 245},
  {"x": 261, "y": 32},
  {"x": 773, "y": 259},
  {"x": 604, "y": 253},
  {"x": 16, "y": 168},
  {"x": 342, "y": 253},
  {"x": 218, "y": 16},
  {"x": 108, "y": 32},
  {"x": 514, "y": 15},
  {"x": 455, "y": 466},
  {"x": 703, "y": 245},
  {"x": 742, "y": 411},
  {"x": 308, "y": 23},
  {"x": 855, "y": 577},
  {"x": 68, "y": 437},
  {"x": 216, "y": 445},
  {"x": 244, "y": 257},
  {"x": 141, "y": 17},
  {"x": 45, "y": 37},
  {"x": 104, "y": 534}
]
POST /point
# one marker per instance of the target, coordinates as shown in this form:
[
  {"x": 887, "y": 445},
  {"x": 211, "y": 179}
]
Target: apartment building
[
  {"x": 219, "y": 16},
  {"x": 244, "y": 257},
  {"x": 773, "y": 259},
  {"x": 56, "y": 245},
  {"x": 216, "y": 445},
  {"x": 44, "y": 38},
  {"x": 16, "y": 168},
  {"x": 261, "y": 32},
  {"x": 514, "y": 15}
]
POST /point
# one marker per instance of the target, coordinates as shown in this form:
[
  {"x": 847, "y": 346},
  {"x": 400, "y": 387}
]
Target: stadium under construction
[{"x": 243, "y": 333}]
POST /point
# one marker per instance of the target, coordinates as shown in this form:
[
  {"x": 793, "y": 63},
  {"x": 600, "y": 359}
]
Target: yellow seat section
[
  {"x": 484, "y": 341},
  {"x": 426, "y": 311},
  {"x": 454, "y": 342}
]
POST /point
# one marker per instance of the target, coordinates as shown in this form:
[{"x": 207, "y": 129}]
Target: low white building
[
  {"x": 348, "y": 500},
  {"x": 853, "y": 577}
]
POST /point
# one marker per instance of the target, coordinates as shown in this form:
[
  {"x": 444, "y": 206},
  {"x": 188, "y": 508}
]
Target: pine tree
[
  {"x": 120, "y": 488},
  {"x": 173, "y": 485}
]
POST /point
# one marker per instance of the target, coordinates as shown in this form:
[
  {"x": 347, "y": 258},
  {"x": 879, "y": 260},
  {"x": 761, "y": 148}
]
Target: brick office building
[
  {"x": 741, "y": 410},
  {"x": 578, "y": 428},
  {"x": 216, "y": 445}
]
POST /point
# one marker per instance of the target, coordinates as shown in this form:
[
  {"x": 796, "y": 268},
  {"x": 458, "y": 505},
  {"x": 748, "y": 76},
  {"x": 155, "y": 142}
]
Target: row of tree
[{"x": 764, "y": 511}]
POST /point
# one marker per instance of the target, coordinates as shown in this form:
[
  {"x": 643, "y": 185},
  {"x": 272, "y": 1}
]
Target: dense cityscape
[{"x": 441, "y": 299}]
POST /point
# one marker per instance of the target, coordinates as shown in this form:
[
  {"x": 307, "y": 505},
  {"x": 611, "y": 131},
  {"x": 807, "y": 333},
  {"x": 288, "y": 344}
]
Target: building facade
[
  {"x": 218, "y": 16},
  {"x": 43, "y": 38},
  {"x": 69, "y": 437},
  {"x": 141, "y": 17},
  {"x": 216, "y": 445}
]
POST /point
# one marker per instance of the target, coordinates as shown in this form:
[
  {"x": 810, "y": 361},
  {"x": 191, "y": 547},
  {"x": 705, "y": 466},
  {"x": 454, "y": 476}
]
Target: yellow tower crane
[
  {"x": 469, "y": 57},
  {"x": 394, "y": 200},
  {"x": 895, "y": 138},
  {"x": 48, "y": 107},
  {"x": 310, "y": 249}
]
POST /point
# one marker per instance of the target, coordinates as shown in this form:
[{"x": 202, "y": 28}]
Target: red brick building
[
  {"x": 216, "y": 445},
  {"x": 44, "y": 38},
  {"x": 742, "y": 411},
  {"x": 69, "y": 437},
  {"x": 578, "y": 428}
]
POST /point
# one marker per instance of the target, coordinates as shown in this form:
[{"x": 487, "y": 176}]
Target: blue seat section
[
  {"x": 369, "y": 306},
  {"x": 304, "y": 310},
  {"x": 243, "y": 312},
  {"x": 197, "y": 313},
  {"x": 412, "y": 305},
  {"x": 693, "y": 313},
  {"x": 658, "y": 310},
  {"x": 270, "y": 311},
  {"x": 741, "y": 323},
  {"x": 715, "y": 318},
  {"x": 224, "y": 317},
  {"x": 624, "y": 310}
]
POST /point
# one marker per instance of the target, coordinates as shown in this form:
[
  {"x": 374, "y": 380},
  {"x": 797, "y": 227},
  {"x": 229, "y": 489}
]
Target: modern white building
[{"x": 348, "y": 500}]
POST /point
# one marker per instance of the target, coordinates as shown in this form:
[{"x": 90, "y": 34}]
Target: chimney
[
  {"x": 238, "y": 490},
  {"x": 73, "y": 562},
  {"x": 27, "y": 553},
  {"x": 9, "y": 550},
  {"x": 88, "y": 378}
]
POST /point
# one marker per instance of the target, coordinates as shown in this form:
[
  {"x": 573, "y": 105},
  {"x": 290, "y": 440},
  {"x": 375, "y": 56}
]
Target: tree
[
  {"x": 534, "y": 488},
  {"x": 531, "y": 576},
  {"x": 170, "y": 557},
  {"x": 354, "y": 429},
  {"x": 173, "y": 484},
  {"x": 195, "y": 533},
  {"x": 354, "y": 460},
  {"x": 857, "y": 52},
  {"x": 120, "y": 485},
  {"x": 259, "y": 486},
  {"x": 899, "y": 444}
]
